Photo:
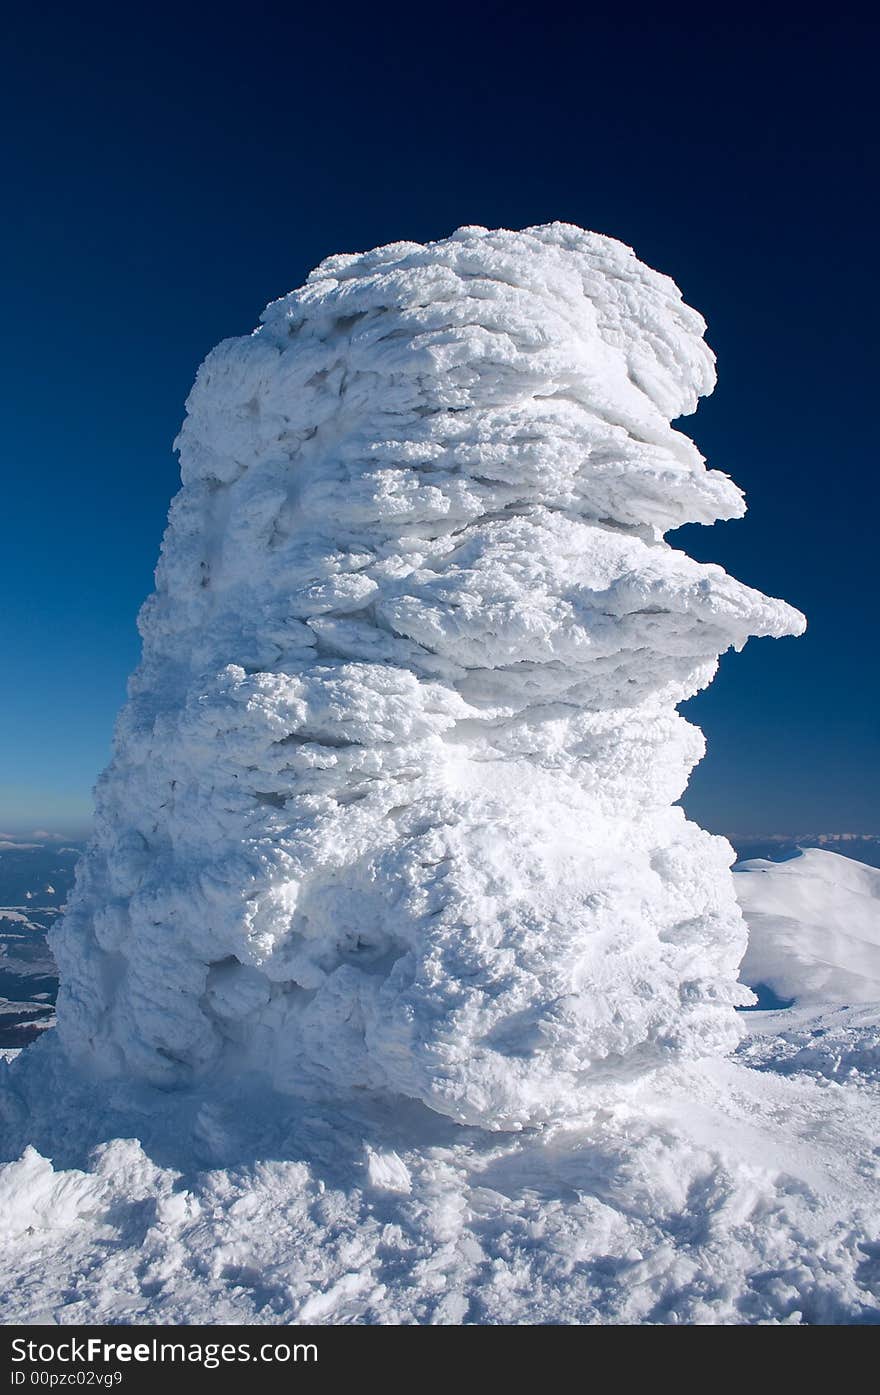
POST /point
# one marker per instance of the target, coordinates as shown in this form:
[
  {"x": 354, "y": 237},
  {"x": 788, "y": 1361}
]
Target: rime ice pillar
[{"x": 392, "y": 799}]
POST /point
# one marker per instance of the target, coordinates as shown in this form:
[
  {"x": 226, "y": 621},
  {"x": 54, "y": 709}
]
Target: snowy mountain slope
[
  {"x": 35, "y": 878},
  {"x": 814, "y": 939},
  {"x": 814, "y": 927},
  {"x": 28, "y": 977}
]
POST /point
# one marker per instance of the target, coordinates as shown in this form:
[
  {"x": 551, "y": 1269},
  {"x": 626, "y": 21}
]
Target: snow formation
[{"x": 391, "y": 806}]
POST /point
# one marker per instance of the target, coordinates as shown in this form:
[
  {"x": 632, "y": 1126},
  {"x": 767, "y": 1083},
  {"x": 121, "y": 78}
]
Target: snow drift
[
  {"x": 814, "y": 927},
  {"x": 391, "y": 806}
]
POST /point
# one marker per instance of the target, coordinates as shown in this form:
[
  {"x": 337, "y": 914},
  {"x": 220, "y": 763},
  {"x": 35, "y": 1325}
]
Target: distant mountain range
[
  {"x": 864, "y": 847},
  {"x": 35, "y": 878}
]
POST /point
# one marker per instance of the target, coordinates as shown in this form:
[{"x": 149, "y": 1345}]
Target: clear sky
[{"x": 170, "y": 169}]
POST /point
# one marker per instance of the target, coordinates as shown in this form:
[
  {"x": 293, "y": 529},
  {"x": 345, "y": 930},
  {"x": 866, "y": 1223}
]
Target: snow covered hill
[
  {"x": 814, "y": 940},
  {"x": 863, "y": 847},
  {"x": 814, "y": 927}
]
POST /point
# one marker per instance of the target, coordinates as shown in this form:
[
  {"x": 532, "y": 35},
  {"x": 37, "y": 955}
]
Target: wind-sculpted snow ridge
[{"x": 391, "y": 806}]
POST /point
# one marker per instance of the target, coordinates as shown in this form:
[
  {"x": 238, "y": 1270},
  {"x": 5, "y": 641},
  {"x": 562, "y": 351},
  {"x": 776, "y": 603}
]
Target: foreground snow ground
[{"x": 735, "y": 1191}]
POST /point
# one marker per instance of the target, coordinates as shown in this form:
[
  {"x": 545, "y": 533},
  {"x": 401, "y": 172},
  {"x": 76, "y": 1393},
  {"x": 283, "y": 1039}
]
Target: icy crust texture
[{"x": 391, "y": 801}]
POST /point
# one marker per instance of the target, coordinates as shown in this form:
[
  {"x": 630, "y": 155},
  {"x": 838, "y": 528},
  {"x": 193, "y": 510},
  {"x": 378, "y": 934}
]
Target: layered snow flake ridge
[{"x": 392, "y": 800}]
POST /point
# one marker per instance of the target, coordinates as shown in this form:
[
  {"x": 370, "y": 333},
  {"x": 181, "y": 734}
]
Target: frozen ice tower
[{"x": 392, "y": 804}]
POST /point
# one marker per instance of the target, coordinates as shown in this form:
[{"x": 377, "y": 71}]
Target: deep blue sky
[{"x": 170, "y": 170}]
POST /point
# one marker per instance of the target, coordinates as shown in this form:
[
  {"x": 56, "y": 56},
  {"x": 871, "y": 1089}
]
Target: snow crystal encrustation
[{"x": 392, "y": 799}]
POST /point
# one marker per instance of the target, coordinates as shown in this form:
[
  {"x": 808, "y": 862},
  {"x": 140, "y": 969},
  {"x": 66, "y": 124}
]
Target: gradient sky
[{"x": 168, "y": 173}]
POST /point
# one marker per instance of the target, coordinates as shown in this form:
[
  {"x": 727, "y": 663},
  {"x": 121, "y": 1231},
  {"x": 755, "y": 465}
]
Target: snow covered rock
[
  {"x": 814, "y": 927},
  {"x": 391, "y": 805}
]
